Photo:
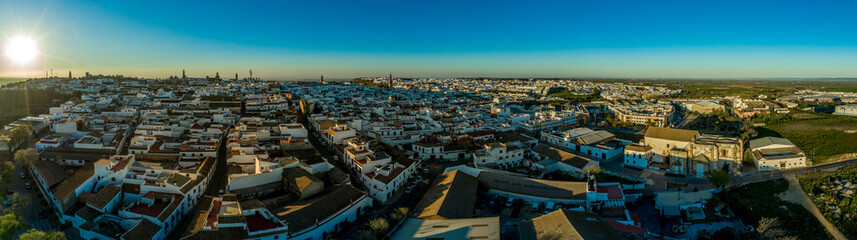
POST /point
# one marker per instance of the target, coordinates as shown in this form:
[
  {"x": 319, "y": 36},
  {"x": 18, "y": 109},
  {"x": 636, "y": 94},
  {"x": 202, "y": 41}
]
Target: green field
[
  {"x": 834, "y": 200},
  {"x": 755, "y": 201},
  {"x": 823, "y": 137},
  {"x": 15, "y": 104}
]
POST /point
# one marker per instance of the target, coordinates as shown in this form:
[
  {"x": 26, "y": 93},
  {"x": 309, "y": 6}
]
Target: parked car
[
  {"x": 23, "y": 175},
  {"x": 535, "y": 207},
  {"x": 29, "y": 186},
  {"x": 509, "y": 203}
]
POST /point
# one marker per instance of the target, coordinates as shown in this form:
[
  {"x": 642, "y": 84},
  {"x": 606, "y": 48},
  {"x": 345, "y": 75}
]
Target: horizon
[{"x": 343, "y": 40}]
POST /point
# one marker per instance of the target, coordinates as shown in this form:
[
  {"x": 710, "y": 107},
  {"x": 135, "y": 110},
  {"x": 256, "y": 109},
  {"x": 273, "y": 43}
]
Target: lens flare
[{"x": 22, "y": 49}]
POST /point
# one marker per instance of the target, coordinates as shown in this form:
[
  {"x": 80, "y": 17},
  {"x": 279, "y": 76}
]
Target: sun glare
[{"x": 22, "y": 49}]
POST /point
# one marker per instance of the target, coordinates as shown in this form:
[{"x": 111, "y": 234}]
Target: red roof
[
  {"x": 626, "y": 228},
  {"x": 258, "y": 223},
  {"x": 613, "y": 191},
  {"x": 212, "y": 215},
  {"x": 131, "y": 188},
  {"x": 152, "y": 211},
  {"x": 480, "y": 133}
]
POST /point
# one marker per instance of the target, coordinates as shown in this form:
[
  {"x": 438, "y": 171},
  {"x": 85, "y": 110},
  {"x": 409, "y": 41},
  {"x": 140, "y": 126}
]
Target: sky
[{"x": 291, "y": 40}]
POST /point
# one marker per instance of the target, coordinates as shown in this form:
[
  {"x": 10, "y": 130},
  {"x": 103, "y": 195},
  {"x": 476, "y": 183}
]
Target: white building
[
  {"x": 638, "y": 156},
  {"x": 551, "y": 159},
  {"x": 339, "y": 133},
  {"x": 772, "y": 153},
  {"x": 596, "y": 144},
  {"x": 847, "y": 110},
  {"x": 498, "y": 155}
]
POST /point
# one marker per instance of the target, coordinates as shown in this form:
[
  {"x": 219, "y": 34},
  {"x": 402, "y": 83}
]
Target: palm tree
[{"x": 769, "y": 228}]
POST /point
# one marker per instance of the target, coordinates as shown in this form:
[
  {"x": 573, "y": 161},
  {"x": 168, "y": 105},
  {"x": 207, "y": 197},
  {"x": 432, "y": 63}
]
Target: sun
[{"x": 22, "y": 49}]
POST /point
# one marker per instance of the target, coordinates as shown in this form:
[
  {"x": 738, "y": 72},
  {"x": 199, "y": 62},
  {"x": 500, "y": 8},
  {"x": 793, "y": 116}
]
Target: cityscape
[{"x": 130, "y": 137}]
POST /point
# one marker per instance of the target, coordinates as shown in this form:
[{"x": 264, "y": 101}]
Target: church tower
[
  {"x": 390, "y": 80},
  {"x": 183, "y": 75},
  {"x": 322, "y": 79}
]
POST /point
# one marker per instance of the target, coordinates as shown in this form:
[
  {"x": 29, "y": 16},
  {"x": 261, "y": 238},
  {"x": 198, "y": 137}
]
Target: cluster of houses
[
  {"x": 519, "y": 88},
  {"x": 135, "y": 159}
]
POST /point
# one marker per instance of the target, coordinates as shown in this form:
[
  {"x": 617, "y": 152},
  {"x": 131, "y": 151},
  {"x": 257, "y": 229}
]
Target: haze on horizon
[{"x": 345, "y": 39}]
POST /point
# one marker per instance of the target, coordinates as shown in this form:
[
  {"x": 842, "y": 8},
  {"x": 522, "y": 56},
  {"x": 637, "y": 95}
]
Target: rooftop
[
  {"x": 452, "y": 196},
  {"x": 533, "y": 187},
  {"x": 671, "y": 134},
  {"x": 565, "y": 224},
  {"x": 306, "y": 213}
]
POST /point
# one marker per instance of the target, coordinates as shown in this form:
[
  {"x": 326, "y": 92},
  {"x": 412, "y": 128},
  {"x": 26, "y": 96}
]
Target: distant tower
[
  {"x": 251, "y": 73},
  {"x": 52, "y": 72},
  {"x": 183, "y": 75},
  {"x": 322, "y": 79},
  {"x": 236, "y": 76},
  {"x": 217, "y": 75},
  {"x": 391, "y": 80},
  {"x": 69, "y": 75}
]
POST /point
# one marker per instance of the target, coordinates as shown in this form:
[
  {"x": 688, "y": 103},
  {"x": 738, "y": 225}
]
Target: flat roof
[
  {"x": 671, "y": 134},
  {"x": 679, "y": 198},
  {"x": 468, "y": 228}
]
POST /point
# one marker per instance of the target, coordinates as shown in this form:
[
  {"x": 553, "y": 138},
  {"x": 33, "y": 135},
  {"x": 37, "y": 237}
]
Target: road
[
  {"x": 796, "y": 194},
  {"x": 770, "y": 175},
  {"x": 30, "y": 209},
  {"x": 328, "y": 153},
  {"x": 218, "y": 182},
  {"x": 657, "y": 180}
]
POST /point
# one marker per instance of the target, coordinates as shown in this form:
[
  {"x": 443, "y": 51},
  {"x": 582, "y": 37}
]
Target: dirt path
[{"x": 796, "y": 195}]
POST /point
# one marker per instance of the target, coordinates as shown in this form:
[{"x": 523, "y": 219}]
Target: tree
[
  {"x": 593, "y": 170},
  {"x": 27, "y": 157},
  {"x": 34, "y": 234},
  {"x": 719, "y": 178},
  {"x": 19, "y": 134},
  {"x": 6, "y": 172},
  {"x": 769, "y": 228},
  {"x": 399, "y": 213},
  {"x": 9, "y": 225},
  {"x": 379, "y": 226}
]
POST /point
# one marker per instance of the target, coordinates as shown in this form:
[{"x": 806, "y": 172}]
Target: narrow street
[
  {"x": 29, "y": 207},
  {"x": 218, "y": 182}
]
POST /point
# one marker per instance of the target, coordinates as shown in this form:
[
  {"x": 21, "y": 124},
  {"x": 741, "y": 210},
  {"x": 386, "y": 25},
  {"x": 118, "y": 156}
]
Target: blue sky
[{"x": 345, "y": 39}]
